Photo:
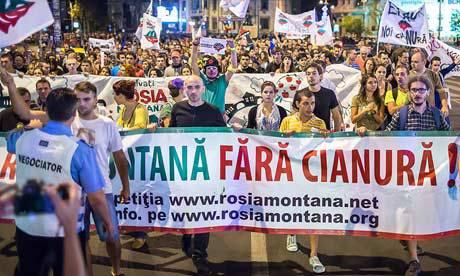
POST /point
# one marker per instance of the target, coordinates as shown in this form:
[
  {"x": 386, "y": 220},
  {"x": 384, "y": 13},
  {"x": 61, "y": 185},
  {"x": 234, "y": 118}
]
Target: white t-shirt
[{"x": 103, "y": 134}]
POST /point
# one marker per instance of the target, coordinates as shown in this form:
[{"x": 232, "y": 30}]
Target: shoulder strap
[
  {"x": 395, "y": 93},
  {"x": 403, "y": 112},
  {"x": 437, "y": 117}
]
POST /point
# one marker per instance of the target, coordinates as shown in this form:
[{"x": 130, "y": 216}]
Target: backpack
[
  {"x": 387, "y": 120},
  {"x": 403, "y": 114}
]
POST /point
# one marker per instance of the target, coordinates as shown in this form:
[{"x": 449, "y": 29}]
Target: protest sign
[
  {"x": 447, "y": 55},
  {"x": 151, "y": 30},
  {"x": 295, "y": 25},
  {"x": 323, "y": 30},
  {"x": 194, "y": 180},
  {"x": 20, "y": 19},
  {"x": 212, "y": 46},
  {"x": 409, "y": 28},
  {"x": 106, "y": 45}
]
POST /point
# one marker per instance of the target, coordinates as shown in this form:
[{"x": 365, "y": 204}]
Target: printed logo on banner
[
  {"x": 282, "y": 20},
  {"x": 218, "y": 46},
  {"x": 287, "y": 86},
  {"x": 151, "y": 36},
  {"x": 10, "y": 15},
  {"x": 308, "y": 21}
]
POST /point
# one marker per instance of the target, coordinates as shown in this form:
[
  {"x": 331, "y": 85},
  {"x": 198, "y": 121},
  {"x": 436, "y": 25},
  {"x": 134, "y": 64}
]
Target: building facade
[{"x": 368, "y": 10}]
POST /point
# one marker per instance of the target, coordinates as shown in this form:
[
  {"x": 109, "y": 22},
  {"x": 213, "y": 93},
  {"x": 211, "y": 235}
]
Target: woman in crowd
[
  {"x": 287, "y": 66},
  {"x": 369, "y": 66},
  {"x": 267, "y": 115},
  {"x": 384, "y": 85},
  {"x": 367, "y": 108}
]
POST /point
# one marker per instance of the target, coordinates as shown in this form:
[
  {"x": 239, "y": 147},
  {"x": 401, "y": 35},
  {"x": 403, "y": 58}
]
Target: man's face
[
  {"x": 130, "y": 60},
  {"x": 43, "y": 89},
  {"x": 337, "y": 51},
  {"x": 384, "y": 59},
  {"x": 352, "y": 55},
  {"x": 363, "y": 51},
  {"x": 419, "y": 92},
  {"x": 303, "y": 61},
  {"x": 436, "y": 66},
  {"x": 278, "y": 56},
  {"x": 401, "y": 77},
  {"x": 313, "y": 76},
  {"x": 46, "y": 67},
  {"x": 404, "y": 58},
  {"x": 122, "y": 59},
  {"x": 211, "y": 72},
  {"x": 161, "y": 62},
  {"x": 306, "y": 106},
  {"x": 19, "y": 62},
  {"x": 5, "y": 62},
  {"x": 71, "y": 65},
  {"x": 418, "y": 63},
  {"x": 86, "y": 67},
  {"x": 194, "y": 88},
  {"x": 87, "y": 102},
  {"x": 244, "y": 61},
  {"x": 176, "y": 59}
]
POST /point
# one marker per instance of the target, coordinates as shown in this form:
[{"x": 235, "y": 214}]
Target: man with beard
[
  {"x": 419, "y": 115},
  {"x": 176, "y": 66},
  {"x": 215, "y": 83}
]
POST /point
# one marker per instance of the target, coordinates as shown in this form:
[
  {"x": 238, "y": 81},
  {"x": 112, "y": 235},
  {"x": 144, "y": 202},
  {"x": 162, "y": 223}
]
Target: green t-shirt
[{"x": 215, "y": 91}]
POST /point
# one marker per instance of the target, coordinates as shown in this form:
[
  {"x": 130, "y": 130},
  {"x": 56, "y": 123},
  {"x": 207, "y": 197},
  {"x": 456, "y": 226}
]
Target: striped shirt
[
  {"x": 293, "y": 123},
  {"x": 417, "y": 121}
]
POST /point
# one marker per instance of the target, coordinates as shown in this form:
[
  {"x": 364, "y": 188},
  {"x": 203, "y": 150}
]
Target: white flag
[
  {"x": 20, "y": 19},
  {"x": 139, "y": 28},
  {"x": 295, "y": 25},
  {"x": 238, "y": 7},
  {"x": 197, "y": 34},
  {"x": 323, "y": 30},
  {"x": 404, "y": 28},
  {"x": 151, "y": 29}
]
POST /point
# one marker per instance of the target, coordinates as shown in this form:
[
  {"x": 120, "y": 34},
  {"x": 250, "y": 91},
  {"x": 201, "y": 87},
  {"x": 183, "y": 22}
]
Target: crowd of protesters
[{"x": 400, "y": 89}]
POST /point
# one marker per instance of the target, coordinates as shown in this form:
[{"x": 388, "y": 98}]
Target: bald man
[{"x": 196, "y": 113}]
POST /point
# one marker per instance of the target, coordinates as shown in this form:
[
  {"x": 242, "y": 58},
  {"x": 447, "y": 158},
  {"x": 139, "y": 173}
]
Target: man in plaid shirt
[{"x": 419, "y": 115}]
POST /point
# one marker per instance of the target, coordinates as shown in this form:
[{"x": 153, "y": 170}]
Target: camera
[{"x": 32, "y": 199}]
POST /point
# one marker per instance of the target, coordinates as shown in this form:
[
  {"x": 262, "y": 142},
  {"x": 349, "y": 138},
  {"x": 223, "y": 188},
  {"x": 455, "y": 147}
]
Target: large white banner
[
  {"x": 409, "y": 28},
  {"x": 447, "y": 55},
  {"x": 205, "y": 180},
  {"x": 295, "y": 25},
  {"x": 243, "y": 91},
  {"x": 20, "y": 19}
]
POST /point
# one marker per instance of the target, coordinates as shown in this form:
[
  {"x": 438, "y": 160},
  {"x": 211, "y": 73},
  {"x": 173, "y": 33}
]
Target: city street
[{"x": 243, "y": 253}]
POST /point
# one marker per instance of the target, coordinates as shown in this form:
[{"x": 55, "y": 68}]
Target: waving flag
[
  {"x": 19, "y": 19},
  {"x": 149, "y": 11},
  {"x": 151, "y": 29},
  {"x": 323, "y": 30},
  {"x": 238, "y": 7}
]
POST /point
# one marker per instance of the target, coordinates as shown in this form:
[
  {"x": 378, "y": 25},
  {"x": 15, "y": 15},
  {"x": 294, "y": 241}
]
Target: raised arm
[{"x": 195, "y": 68}]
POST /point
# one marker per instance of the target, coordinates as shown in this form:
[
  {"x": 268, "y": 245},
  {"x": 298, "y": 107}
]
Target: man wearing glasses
[{"x": 419, "y": 115}]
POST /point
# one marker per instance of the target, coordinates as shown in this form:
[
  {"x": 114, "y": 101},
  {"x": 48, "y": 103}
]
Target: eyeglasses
[{"x": 419, "y": 90}]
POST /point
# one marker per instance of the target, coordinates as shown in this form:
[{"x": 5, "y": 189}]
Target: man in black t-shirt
[
  {"x": 196, "y": 113},
  {"x": 10, "y": 120},
  {"x": 326, "y": 100}
]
